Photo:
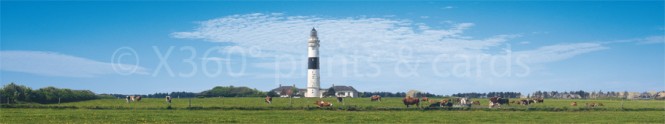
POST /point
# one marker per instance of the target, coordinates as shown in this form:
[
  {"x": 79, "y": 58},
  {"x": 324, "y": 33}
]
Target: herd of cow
[
  {"x": 138, "y": 99},
  {"x": 133, "y": 99},
  {"x": 494, "y": 102}
]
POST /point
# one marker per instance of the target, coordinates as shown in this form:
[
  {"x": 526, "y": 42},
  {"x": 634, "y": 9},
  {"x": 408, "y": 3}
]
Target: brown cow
[
  {"x": 494, "y": 102},
  {"x": 594, "y": 104},
  {"x": 525, "y": 102},
  {"x": 539, "y": 100},
  {"x": 138, "y": 98},
  {"x": 446, "y": 103},
  {"x": 589, "y": 105},
  {"x": 408, "y": 100},
  {"x": 375, "y": 98},
  {"x": 425, "y": 99},
  {"x": 321, "y": 103},
  {"x": 476, "y": 102},
  {"x": 268, "y": 99},
  {"x": 573, "y": 104}
]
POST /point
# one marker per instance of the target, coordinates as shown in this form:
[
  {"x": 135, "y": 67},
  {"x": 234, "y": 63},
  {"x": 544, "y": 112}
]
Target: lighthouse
[{"x": 313, "y": 78}]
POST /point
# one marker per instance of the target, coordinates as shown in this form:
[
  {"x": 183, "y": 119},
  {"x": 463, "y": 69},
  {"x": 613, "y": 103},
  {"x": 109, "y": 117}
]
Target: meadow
[{"x": 391, "y": 110}]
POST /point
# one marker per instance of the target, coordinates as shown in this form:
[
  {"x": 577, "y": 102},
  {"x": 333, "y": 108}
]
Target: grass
[
  {"x": 319, "y": 116},
  {"x": 360, "y": 103},
  {"x": 390, "y": 110}
]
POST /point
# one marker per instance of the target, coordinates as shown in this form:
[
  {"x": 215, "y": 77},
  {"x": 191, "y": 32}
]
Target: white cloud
[
  {"x": 651, "y": 40},
  {"x": 384, "y": 40},
  {"x": 559, "y": 52},
  {"x": 643, "y": 40},
  {"x": 363, "y": 37},
  {"x": 56, "y": 64},
  {"x": 215, "y": 59}
]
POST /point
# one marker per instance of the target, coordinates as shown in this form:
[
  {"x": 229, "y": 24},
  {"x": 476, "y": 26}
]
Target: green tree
[
  {"x": 331, "y": 92},
  {"x": 232, "y": 91},
  {"x": 272, "y": 94},
  {"x": 294, "y": 91}
]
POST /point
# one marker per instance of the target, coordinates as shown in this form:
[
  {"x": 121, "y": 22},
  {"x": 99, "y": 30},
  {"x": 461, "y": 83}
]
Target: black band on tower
[{"x": 313, "y": 63}]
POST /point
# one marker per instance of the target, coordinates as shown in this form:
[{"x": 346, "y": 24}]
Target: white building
[
  {"x": 313, "y": 78},
  {"x": 342, "y": 91}
]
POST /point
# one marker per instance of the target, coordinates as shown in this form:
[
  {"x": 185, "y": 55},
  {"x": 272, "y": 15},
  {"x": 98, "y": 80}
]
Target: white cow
[
  {"x": 168, "y": 99},
  {"x": 463, "y": 101}
]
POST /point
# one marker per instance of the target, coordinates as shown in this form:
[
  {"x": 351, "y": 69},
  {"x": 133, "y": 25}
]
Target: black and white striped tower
[{"x": 313, "y": 79}]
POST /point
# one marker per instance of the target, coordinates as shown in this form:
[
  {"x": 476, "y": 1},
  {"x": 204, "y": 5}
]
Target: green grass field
[{"x": 390, "y": 110}]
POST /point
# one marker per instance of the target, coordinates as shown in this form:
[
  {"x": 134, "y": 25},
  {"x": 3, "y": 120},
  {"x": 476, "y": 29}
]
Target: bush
[
  {"x": 19, "y": 93},
  {"x": 231, "y": 91}
]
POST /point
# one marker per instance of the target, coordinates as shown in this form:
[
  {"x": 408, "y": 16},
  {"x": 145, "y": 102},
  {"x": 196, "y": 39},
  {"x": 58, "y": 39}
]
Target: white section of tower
[{"x": 313, "y": 78}]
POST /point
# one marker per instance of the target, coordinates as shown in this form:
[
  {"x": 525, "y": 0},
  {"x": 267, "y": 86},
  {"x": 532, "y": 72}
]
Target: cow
[
  {"x": 137, "y": 98},
  {"x": 425, "y": 99},
  {"x": 494, "y": 102},
  {"x": 476, "y": 102},
  {"x": 375, "y": 98},
  {"x": 408, "y": 100},
  {"x": 321, "y": 103},
  {"x": 504, "y": 101},
  {"x": 525, "y": 102},
  {"x": 268, "y": 99},
  {"x": 573, "y": 104},
  {"x": 434, "y": 105},
  {"x": 446, "y": 103},
  {"x": 128, "y": 99},
  {"x": 464, "y": 101},
  {"x": 168, "y": 99},
  {"x": 539, "y": 100},
  {"x": 340, "y": 99},
  {"x": 594, "y": 104}
]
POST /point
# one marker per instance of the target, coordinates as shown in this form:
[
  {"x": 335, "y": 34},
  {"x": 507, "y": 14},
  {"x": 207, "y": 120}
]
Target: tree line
[
  {"x": 218, "y": 91},
  {"x": 158, "y": 95},
  {"x": 598, "y": 94},
  {"x": 395, "y": 94},
  {"x": 13, "y": 93},
  {"x": 489, "y": 94}
]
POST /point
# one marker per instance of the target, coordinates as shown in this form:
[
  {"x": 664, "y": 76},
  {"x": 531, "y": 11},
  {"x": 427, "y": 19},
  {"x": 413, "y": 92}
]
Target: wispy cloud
[
  {"x": 643, "y": 40},
  {"x": 363, "y": 37},
  {"x": 56, "y": 64},
  {"x": 384, "y": 40},
  {"x": 379, "y": 38},
  {"x": 651, "y": 40},
  {"x": 559, "y": 52}
]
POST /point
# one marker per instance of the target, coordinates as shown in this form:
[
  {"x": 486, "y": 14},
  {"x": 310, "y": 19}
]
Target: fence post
[{"x": 622, "y": 100}]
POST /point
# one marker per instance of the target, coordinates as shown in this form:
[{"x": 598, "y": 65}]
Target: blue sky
[{"x": 440, "y": 47}]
